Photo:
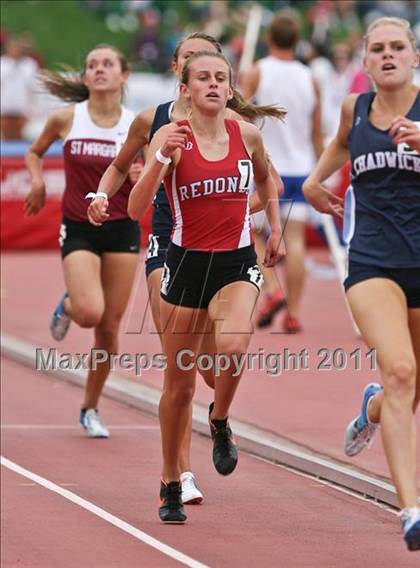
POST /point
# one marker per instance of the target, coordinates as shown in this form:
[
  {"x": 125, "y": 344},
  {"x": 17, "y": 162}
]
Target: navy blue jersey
[
  {"x": 162, "y": 117},
  {"x": 384, "y": 202}
]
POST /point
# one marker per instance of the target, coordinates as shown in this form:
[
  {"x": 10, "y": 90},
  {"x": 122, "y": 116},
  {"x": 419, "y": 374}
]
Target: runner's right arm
[
  {"x": 116, "y": 173},
  {"x": 56, "y": 127},
  {"x": 334, "y": 157},
  {"x": 167, "y": 144}
]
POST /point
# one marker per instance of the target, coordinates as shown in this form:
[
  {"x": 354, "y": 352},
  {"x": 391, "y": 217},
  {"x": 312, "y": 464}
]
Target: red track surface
[
  {"x": 262, "y": 515},
  {"x": 311, "y": 407}
]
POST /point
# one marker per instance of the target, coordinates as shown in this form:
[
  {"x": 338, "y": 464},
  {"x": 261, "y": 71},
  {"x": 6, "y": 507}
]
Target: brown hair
[
  {"x": 237, "y": 103},
  {"x": 70, "y": 87},
  {"x": 385, "y": 21},
  {"x": 284, "y": 30},
  {"x": 197, "y": 35}
]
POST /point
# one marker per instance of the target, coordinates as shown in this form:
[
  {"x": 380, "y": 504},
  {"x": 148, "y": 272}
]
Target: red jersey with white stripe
[
  {"x": 88, "y": 151},
  {"x": 209, "y": 199}
]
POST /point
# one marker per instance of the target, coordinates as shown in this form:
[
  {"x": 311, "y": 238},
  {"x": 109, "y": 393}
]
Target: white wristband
[
  {"x": 161, "y": 158},
  {"x": 93, "y": 196}
]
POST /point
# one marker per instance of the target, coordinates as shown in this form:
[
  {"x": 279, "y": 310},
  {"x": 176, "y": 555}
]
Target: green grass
[{"x": 63, "y": 30}]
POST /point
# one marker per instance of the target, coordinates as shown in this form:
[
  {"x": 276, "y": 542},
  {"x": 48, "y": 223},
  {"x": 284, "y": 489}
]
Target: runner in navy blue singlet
[
  {"x": 162, "y": 217},
  {"x": 380, "y": 132}
]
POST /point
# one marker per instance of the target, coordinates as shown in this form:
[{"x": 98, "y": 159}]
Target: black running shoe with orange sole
[
  {"x": 171, "y": 509},
  {"x": 225, "y": 454}
]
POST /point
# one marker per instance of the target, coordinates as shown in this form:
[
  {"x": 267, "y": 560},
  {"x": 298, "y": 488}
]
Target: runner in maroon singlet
[{"x": 99, "y": 263}]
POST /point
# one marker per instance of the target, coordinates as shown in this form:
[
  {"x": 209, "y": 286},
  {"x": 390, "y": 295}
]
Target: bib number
[{"x": 245, "y": 169}]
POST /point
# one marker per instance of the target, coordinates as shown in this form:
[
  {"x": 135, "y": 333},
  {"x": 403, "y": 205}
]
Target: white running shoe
[
  {"x": 92, "y": 423},
  {"x": 191, "y": 495}
]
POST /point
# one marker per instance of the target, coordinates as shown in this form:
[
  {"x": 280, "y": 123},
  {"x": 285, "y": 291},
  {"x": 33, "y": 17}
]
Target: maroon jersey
[
  {"x": 88, "y": 151},
  {"x": 209, "y": 199}
]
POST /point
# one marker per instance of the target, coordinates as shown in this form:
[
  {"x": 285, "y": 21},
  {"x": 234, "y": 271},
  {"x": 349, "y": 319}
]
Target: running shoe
[
  {"x": 410, "y": 525},
  {"x": 360, "y": 431},
  {"x": 272, "y": 304},
  {"x": 191, "y": 495},
  {"x": 92, "y": 423},
  {"x": 60, "y": 321},
  {"x": 291, "y": 325},
  {"x": 171, "y": 509},
  {"x": 225, "y": 454}
]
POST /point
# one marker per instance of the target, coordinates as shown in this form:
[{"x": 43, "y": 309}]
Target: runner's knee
[
  {"x": 232, "y": 344},
  {"x": 86, "y": 315},
  {"x": 399, "y": 378},
  {"x": 180, "y": 395},
  {"x": 107, "y": 337}
]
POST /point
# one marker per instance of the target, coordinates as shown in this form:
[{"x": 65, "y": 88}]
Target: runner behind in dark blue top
[{"x": 162, "y": 216}]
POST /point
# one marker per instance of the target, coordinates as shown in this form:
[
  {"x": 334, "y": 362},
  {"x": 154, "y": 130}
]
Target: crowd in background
[{"x": 331, "y": 44}]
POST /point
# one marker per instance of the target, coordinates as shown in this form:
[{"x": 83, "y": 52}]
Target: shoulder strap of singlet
[
  {"x": 161, "y": 117},
  {"x": 233, "y": 126},
  {"x": 362, "y": 106},
  {"x": 79, "y": 121}
]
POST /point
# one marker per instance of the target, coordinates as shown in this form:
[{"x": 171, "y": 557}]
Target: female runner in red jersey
[
  {"x": 211, "y": 278},
  {"x": 99, "y": 263},
  {"x": 141, "y": 131}
]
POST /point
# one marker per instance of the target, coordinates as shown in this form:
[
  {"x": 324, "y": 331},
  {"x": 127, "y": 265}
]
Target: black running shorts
[
  {"x": 122, "y": 235},
  {"x": 192, "y": 278},
  {"x": 408, "y": 279},
  {"x": 160, "y": 237}
]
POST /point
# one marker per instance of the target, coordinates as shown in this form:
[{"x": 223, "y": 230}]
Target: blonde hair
[
  {"x": 237, "y": 102},
  {"x": 388, "y": 21}
]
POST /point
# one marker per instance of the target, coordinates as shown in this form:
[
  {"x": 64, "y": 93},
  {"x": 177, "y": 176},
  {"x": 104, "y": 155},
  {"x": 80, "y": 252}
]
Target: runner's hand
[
  {"x": 275, "y": 249},
  {"x": 97, "y": 211},
  {"x": 177, "y": 138},
  {"x": 405, "y": 131},
  {"x": 323, "y": 200},
  {"x": 35, "y": 200}
]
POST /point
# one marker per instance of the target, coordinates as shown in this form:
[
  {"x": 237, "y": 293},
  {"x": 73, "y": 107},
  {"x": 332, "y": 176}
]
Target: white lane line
[
  {"x": 108, "y": 517},
  {"x": 71, "y": 427}
]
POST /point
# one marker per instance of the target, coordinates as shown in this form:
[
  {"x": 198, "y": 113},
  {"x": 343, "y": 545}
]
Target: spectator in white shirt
[{"x": 17, "y": 77}]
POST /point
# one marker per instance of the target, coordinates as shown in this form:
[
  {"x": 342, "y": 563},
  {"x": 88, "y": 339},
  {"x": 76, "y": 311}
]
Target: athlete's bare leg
[
  {"x": 231, "y": 311},
  {"x": 82, "y": 275},
  {"x": 117, "y": 275},
  {"x": 295, "y": 273},
  {"x": 179, "y": 384},
  {"x": 207, "y": 346},
  {"x": 414, "y": 324},
  {"x": 99, "y": 289},
  {"x": 153, "y": 284},
  {"x": 379, "y": 308}
]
